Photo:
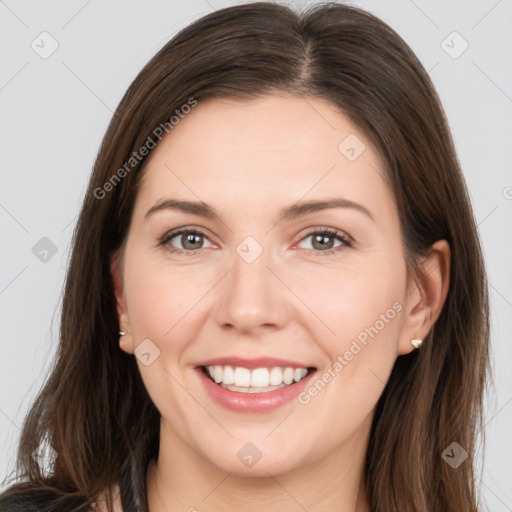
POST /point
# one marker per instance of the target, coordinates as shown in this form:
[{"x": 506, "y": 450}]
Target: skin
[{"x": 249, "y": 160}]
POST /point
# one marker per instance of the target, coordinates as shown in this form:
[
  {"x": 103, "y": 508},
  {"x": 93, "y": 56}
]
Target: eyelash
[{"x": 334, "y": 233}]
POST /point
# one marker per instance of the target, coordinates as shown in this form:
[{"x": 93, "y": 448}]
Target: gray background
[{"x": 55, "y": 110}]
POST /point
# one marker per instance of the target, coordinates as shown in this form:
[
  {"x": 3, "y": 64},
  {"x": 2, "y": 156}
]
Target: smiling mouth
[{"x": 257, "y": 380}]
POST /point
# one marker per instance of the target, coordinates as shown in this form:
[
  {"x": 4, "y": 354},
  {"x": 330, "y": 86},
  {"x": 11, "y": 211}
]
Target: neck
[{"x": 180, "y": 479}]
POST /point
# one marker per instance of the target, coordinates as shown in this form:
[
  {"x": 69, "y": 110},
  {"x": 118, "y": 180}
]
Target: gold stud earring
[{"x": 416, "y": 342}]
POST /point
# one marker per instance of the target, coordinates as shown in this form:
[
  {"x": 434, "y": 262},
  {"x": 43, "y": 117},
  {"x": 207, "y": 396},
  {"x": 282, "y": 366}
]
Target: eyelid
[{"x": 335, "y": 232}]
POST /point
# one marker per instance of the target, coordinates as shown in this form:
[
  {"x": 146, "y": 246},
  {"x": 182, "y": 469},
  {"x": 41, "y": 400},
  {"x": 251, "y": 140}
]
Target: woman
[{"x": 276, "y": 297}]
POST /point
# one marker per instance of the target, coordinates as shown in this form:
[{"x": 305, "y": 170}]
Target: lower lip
[{"x": 253, "y": 402}]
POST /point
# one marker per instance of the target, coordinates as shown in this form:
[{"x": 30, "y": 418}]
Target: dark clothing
[{"x": 27, "y": 497}]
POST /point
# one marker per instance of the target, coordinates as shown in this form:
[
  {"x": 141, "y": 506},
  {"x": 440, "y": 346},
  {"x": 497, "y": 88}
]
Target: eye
[
  {"x": 323, "y": 240},
  {"x": 189, "y": 239}
]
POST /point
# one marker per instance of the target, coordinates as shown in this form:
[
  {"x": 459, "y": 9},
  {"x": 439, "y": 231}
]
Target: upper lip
[{"x": 258, "y": 362}]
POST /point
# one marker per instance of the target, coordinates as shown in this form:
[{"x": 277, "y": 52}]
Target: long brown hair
[{"x": 94, "y": 407}]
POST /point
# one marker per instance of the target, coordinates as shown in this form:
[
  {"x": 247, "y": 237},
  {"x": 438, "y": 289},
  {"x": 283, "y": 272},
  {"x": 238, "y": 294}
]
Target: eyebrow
[{"x": 289, "y": 213}]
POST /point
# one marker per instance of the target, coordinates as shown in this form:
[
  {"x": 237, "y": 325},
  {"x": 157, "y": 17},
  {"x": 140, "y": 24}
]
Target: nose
[{"x": 252, "y": 297}]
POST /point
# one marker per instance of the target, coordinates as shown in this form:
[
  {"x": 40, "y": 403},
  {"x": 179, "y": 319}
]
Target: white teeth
[
  {"x": 276, "y": 376},
  {"x": 242, "y": 377},
  {"x": 252, "y": 390},
  {"x": 288, "y": 375},
  {"x": 258, "y": 380},
  {"x": 228, "y": 376}
]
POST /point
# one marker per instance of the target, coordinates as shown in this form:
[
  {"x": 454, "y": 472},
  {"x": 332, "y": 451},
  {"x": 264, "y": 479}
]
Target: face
[{"x": 259, "y": 297}]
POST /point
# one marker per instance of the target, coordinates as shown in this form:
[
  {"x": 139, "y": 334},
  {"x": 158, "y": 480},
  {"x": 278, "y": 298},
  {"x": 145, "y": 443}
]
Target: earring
[
  {"x": 121, "y": 334},
  {"x": 416, "y": 342}
]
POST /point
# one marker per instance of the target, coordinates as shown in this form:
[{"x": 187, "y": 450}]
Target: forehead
[{"x": 258, "y": 151}]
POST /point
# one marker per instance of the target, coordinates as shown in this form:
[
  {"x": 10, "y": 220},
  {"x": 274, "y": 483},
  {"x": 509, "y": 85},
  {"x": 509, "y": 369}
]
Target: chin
[{"x": 245, "y": 459}]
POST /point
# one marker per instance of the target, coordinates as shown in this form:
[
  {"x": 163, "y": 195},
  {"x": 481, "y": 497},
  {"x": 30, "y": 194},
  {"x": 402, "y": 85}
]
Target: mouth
[{"x": 255, "y": 380}]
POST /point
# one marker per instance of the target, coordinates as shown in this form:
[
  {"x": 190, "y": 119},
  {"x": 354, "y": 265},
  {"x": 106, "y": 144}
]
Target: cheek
[
  {"x": 360, "y": 313},
  {"x": 365, "y": 314},
  {"x": 360, "y": 301},
  {"x": 162, "y": 297},
  {"x": 163, "y": 305}
]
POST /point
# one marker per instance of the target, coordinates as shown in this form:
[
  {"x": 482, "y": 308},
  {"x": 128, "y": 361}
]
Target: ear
[
  {"x": 426, "y": 296},
  {"x": 122, "y": 312}
]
